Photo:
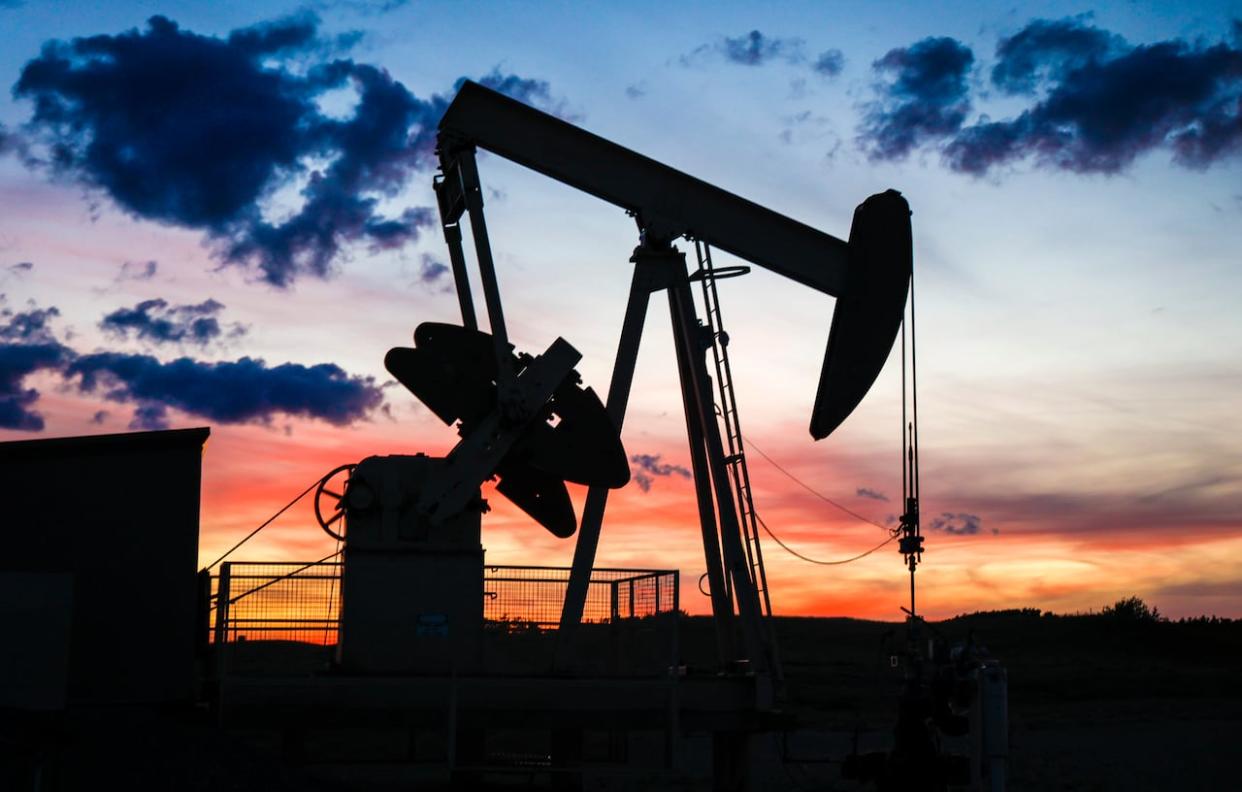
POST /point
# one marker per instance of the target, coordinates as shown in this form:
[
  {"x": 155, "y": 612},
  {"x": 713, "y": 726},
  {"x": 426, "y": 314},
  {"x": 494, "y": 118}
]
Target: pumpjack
[
  {"x": 869, "y": 276},
  {"x": 412, "y": 560}
]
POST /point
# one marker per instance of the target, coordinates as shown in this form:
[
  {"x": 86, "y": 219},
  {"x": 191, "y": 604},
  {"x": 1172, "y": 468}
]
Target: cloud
[
  {"x": 361, "y": 7},
  {"x": 1103, "y": 102},
  {"x": 432, "y": 272},
  {"x": 27, "y": 345},
  {"x": 137, "y": 271},
  {"x": 242, "y": 391},
  {"x": 755, "y": 49},
  {"x": 28, "y": 327},
  {"x": 160, "y": 323},
  {"x": 1113, "y": 518},
  {"x": 925, "y": 97},
  {"x": 750, "y": 49},
  {"x": 17, "y": 270},
  {"x": 957, "y": 524},
  {"x": 1048, "y": 49},
  {"x": 649, "y": 466},
  {"x": 864, "y": 492},
  {"x": 253, "y": 101},
  {"x": 149, "y": 416},
  {"x": 829, "y": 63},
  {"x": 1231, "y": 589},
  {"x": 524, "y": 89}
]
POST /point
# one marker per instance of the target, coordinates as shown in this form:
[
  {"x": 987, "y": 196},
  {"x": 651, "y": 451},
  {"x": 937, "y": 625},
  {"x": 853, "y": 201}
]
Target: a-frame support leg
[
  {"x": 722, "y": 604},
  {"x": 686, "y": 333},
  {"x": 649, "y": 276}
]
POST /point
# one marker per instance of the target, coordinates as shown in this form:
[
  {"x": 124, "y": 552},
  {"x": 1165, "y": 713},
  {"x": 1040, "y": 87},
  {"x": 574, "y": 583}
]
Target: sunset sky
[{"x": 219, "y": 214}]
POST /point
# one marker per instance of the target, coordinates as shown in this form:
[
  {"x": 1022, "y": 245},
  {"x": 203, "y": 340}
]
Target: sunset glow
[{"x": 1078, "y": 334}]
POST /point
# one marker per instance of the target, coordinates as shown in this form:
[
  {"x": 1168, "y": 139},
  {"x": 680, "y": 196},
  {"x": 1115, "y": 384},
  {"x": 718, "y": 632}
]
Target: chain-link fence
[{"x": 301, "y": 602}]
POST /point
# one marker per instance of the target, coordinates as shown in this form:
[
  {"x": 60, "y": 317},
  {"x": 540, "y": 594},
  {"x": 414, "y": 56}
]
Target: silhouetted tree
[{"x": 1133, "y": 609}]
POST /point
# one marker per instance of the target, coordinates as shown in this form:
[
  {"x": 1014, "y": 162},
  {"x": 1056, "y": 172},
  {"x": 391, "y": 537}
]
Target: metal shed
[{"x": 106, "y": 526}]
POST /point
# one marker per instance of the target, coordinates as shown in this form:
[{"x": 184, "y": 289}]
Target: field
[{"x": 1097, "y": 703}]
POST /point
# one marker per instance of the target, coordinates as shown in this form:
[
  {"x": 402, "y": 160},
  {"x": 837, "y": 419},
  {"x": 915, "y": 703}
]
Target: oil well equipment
[{"x": 556, "y": 673}]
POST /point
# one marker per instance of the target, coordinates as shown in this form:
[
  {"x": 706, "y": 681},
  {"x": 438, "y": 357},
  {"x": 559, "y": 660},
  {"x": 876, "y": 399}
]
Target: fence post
[
  {"x": 222, "y": 616},
  {"x": 672, "y": 755},
  {"x": 614, "y": 626},
  {"x": 676, "y": 621}
]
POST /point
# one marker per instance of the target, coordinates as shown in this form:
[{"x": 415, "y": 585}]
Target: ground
[{"x": 1096, "y": 704}]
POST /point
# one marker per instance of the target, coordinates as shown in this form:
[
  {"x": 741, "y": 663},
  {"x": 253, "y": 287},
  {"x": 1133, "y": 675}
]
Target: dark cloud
[
  {"x": 1103, "y": 102},
  {"x": 360, "y": 7},
  {"x": 524, "y": 89},
  {"x": 27, "y": 345},
  {"x": 957, "y": 524},
  {"x": 829, "y": 63},
  {"x": 137, "y": 271},
  {"x": 864, "y": 492},
  {"x": 432, "y": 272},
  {"x": 100, "y": 416},
  {"x": 1114, "y": 519},
  {"x": 755, "y": 49},
  {"x": 17, "y": 270},
  {"x": 1224, "y": 588},
  {"x": 149, "y": 416},
  {"x": 201, "y": 132},
  {"x": 174, "y": 126},
  {"x": 750, "y": 49},
  {"x": 649, "y": 466},
  {"x": 925, "y": 97},
  {"x": 32, "y": 326},
  {"x": 1048, "y": 49},
  {"x": 270, "y": 38},
  {"x": 15, "y": 143},
  {"x": 160, "y": 323},
  {"x": 241, "y": 391},
  {"x": 16, "y": 401},
  {"x": 636, "y": 90}
]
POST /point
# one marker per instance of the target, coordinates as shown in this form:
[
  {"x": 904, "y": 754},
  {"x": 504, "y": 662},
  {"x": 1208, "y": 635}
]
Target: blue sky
[{"x": 1079, "y": 342}]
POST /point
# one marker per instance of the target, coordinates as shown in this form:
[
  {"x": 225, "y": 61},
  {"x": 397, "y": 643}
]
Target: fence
[
  {"x": 277, "y": 601},
  {"x": 301, "y": 602}
]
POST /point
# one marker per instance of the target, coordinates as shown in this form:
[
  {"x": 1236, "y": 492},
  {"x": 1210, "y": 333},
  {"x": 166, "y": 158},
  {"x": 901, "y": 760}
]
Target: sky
[{"x": 220, "y": 214}]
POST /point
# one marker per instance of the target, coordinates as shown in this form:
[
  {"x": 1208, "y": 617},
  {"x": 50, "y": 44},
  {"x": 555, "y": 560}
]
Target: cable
[
  {"x": 809, "y": 489},
  {"x": 820, "y": 562},
  {"x": 285, "y": 576},
  {"x": 266, "y": 523},
  {"x": 914, "y": 388}
]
